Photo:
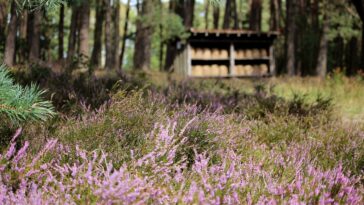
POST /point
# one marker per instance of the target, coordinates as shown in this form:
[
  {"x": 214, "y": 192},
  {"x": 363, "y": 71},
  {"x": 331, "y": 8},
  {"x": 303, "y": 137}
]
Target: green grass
[{"x": 347, "y": 94}]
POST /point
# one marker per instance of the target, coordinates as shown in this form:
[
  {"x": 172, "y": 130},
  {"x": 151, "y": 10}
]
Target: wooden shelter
[{"x": 226, "y": 53}]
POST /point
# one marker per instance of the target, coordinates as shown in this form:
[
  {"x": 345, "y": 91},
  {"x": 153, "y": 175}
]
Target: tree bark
[
  {"x": 116, "y": 37},
  {"x": 230, "y": 13},
  {"x": 227, "y": 17},
  {"x": 61, "y": 33},
  {"x": 321, "y": 68},
  {"x": 351, "y": 55},
  {"x": 290, "y": 37},
  {"x": 84, "y": 31},
  {"x": 176, "y": 7},
  {"x": 359, "y": 6},
  {"x": 23, "y": 29},
  {"x": 125, "y": 35},
  {"x": 216, "y": 16},
  {"x": 207, "y": 11},
  {"x": 9, "y": 53},
  {"x": 34, "y": 51},
  {"x": 97, "y": 48},
  {"x": 189, "y": 9},
  {"x": 72, "y": 40},
  {"x": 108, "y": 36},
  {"x": 143, "y": 39},
  {"x": 315, "y": 15},
  {"x": 256, "y": 15},
  {"x": 274, "y": 15},
  {"x": 3, "y": 18},
  {"x": 362, "y": 47}
]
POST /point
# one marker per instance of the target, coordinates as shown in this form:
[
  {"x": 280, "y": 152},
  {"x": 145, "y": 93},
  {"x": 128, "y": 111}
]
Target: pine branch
[{"x": 20, "y": 104}]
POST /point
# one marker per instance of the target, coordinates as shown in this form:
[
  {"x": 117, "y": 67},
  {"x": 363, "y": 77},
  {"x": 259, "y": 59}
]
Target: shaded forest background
[{"x": 316, "y": 36}]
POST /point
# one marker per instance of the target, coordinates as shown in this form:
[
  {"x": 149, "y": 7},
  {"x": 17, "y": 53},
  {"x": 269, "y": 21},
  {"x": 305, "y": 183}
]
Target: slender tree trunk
[
  {"x": 362, "y": 47},
  {"x": 3, "y": 18},
  {"x": 230, "y": 13},
  {"x": 99, "y": 23},
  {"x": 227, "y": 16},
  {"x": 359, "y": 6},
  {"x": 125, "y": 35},
  {"x": 112, "y": 34},
  {"x": 34, "y": 51},
  {"x": 189, "y": 9},
  {"x": 290, "y": 37},
  {"x": 143, "y": 39},
  {"x": 351, "y": 55},
  {"x": 176, "y": 7},
  {"x": 138, "y": 6},
  {"x": 61, "y": 33},
  {"x": 207, "y": 11},
  {"x": 23, "y": 29},
  {"x": 84, "y": 31},
  {"x": 321, "y": 68},
  {"x": 216, "y": 16},
  {"x": 235, "y": 15},
  {"x": 161, "y": 43},
  {"x": 302, "y": 61},
  {"x": 338, "y": 52},
  {"x": 256, "y": 15},
  {"x": 9, "y": 53},
  {"x": 72, "y": 40},
  {"x": 315, "y": 15},
  {"x": 274, "y": 15},
  {"x": 108, "y": 36}
]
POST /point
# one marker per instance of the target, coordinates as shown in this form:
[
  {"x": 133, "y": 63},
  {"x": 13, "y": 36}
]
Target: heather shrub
[
  {"x": 191, "y": 143},
  {"x": 157, "y": 176}
]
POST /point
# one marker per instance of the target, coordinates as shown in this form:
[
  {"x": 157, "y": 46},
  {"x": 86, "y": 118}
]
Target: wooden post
[
  {"x": 189, "y": 61},
  {"x": 272, "y": 66},
  {"x": 232, "y": 60}
]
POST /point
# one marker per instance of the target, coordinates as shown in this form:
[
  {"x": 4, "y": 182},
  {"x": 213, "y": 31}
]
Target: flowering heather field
[{"x": 183, "y": 145}]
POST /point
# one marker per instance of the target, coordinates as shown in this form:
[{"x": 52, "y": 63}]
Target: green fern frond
[{"x": 21, "y": 104}]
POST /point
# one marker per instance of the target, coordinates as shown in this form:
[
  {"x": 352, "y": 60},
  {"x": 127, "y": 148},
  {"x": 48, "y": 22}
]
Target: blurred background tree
[{"x": 317, "y": 36}]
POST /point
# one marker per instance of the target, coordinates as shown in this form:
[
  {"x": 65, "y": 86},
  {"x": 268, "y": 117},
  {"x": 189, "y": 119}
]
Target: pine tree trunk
[
  {"x": 9, "y": 53},
  {"x": 161, "y": 43},
  {"x": 359, "y": 6},
  {"x": 315, "y": 15},
  {"x": 351, "y": 54},
  {"x": 176, "y": 7},
  {"x": 227, "y": 17},
  {"x": 99, "y": 23},
  {"x": 235, "y": 15},
  {"x": 362, "y": 47},
  {"x": 143, "y": 39},
  {"x": 3, "y": 18},
  {"x": 116, "y": 35},
  {"x": 256, "y": 15},
  {"x": 216, "y": 16},
  {"x": 230, "y": 13},
  {"x": 61, "y": 33},
  {"x": 125, "y": 35},
  {"x": 290, "y": 37},
  {"x": 207, "y": 11},
  {"x": 34, "y": 50},
  {"x": 84, "y": 31},
  {"x": 108, "y": 36},
  {"x": 321, "y": 68},
  {"x": 73, "y": 34},
  {"x": 23, "y": 29},
  {"x": 274, "y": 15},
  {"x": 189, "y": 9}
]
